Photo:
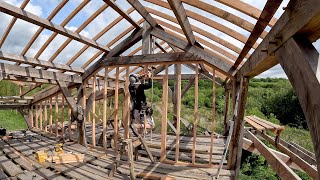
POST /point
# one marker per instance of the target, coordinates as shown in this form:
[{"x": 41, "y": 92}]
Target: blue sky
[{"x": 23, "y": 31}]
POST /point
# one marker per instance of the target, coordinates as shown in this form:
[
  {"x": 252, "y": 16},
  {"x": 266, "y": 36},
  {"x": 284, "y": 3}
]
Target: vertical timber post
[
  {"x": 237, "y": 135},
  {"x": 93, "y": 111},
  {"x": 31, "y": 117},
  {"x": 104, "y": 111},
  {"x": 213, "y": 113},
  {"x": 195, "y": 114},
  {"x": 126, "y": 105},
  {"x": 50, "y": 116},
  {"x": 178, "y": 108},
  {"x": 300, "y": 61},
  {"x": 164, "y": 115},
  {"x": 116, "y": 106},
  {"x": 226, "y": 110}
]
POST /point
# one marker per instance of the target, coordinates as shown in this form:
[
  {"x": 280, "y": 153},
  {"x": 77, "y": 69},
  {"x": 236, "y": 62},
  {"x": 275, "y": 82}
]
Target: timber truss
[{"x": 166, "y": 40}]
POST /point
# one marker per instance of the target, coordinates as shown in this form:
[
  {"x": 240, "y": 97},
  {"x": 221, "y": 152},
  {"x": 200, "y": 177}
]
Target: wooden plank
[
  {"x": 213, "y": 114},
  {"x": 254, "y": 124},
  {"x": 301, "y": 152},
  {"x": 164, "y": 115},
  {"x": 149, "y": 59},
  {"x": 309, "y": 169},
  {"x": 29, "y": 17},
  {"x": 195, "y": 114},
  {"x": 261, "y": 123},
  {"x": 8, "y": 166},
  {"x": 249, "y": 146},
  {"x": 116, "y": 114},
  {"x": 277, "y": 165},
  {"x": 269, "y": 123},
  {"x": 180, "y": 13},
  {"x": 302, "y": 70}
]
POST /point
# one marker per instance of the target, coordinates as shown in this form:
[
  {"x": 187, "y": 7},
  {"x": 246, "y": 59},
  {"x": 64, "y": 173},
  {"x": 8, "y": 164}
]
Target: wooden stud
[
  {"x": 31, "y": 116},
  {"x": 164, "y": 115},
  {"x": 40, "y": 115},
  {"x": 213, "y": 113},
  {"x": 104, "y": 111},
  {"x": 62, "y": 118},
  {"x": 178, "y": 111},
  {"x": 81, "y": 127},
  {"x": 45, "y": 116},
  {"x": 226, "y": 110},
  {"x": 69, "y": 123},
  {"x": 37, "y": 111},
  {"x": 50, "y": 116},
  {"x": 127, "y": 105},
  {"x": 94, "y": 111},
  {"x": 116, "y": 114},
  {"x": 57, "y": 115},
  {"x": 195, "y": 114}
]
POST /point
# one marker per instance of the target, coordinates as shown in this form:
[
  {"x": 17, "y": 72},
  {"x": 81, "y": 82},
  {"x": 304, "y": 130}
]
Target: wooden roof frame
[{"x": 297, "y": 28}]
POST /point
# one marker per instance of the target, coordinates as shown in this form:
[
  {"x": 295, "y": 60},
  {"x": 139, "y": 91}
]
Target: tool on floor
[
  {"x": 41, "y": 156},
  {"x": 58, "y": 148}
]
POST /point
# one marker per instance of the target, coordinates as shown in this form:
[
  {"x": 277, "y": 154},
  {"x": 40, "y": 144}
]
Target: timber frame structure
[{"x": 167, "y": 40}]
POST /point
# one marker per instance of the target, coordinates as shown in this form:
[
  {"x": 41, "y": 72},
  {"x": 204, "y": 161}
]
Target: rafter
[
  {"x": 112, "y": 4},
  {"x": 36, "y": 35},
  {"x": 180, "y": 13},
  {"x": 268, "y": 11},
  {"x": 63, "y": 24},
  {"x": 218, "y": 63},
  {"x": 292, "y": 22},
  {"x": 80, "y": 28},
  {"x": 29, "y": 17},
  {"x": 143, "y": 12},
  {"x": 12, "y": 22},
  {"x": 96, "y": 37},
  {"x": 116, "y": 51}
]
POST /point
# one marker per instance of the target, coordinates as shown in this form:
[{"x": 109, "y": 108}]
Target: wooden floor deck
[{"x": 18, "y": 161}]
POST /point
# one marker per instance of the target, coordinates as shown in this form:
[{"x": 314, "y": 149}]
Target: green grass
[{"x": 12, "y": 120}]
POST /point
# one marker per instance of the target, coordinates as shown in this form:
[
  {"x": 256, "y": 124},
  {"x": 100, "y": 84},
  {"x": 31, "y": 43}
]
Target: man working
[{"x": 139, "y": 101}]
